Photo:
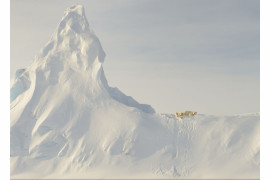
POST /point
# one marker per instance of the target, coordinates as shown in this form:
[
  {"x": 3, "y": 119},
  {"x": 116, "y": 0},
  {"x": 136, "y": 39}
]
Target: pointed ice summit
[
  {"x": 67, "y": 122},
  {"x": 74, "y": 55}
]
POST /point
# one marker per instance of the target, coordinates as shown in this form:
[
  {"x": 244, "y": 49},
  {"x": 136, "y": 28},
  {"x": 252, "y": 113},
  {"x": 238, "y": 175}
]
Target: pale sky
[{"x": 175, "y": 55}]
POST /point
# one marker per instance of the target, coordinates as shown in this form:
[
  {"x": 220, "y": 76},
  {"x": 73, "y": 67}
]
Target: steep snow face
[
  {"x": 72, "y": 58},
  {"x": 67, "y": 122}
]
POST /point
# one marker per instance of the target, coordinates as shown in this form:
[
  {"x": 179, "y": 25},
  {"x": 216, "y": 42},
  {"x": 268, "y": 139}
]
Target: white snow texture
[{"x": 66, "y": 122}]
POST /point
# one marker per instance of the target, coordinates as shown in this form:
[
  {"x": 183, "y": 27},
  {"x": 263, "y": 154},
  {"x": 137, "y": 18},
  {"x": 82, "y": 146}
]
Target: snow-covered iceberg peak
[
  {"x": 72, "y": 60},
  {"x": 78, "y": 9},
  {"x": 74, "y": 44},
  {"x": 75, "y": 20}
]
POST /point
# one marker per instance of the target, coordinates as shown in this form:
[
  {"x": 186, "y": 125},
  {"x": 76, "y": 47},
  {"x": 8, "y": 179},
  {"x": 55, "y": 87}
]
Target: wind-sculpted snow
[
  {"x": 116, "y": 94},
  {"x": 74, "y": 54},
  {"x": 67, "y": 122}
]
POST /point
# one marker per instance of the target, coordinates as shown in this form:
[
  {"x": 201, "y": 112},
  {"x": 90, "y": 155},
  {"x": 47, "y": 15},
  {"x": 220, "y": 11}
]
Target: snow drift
[{"x": 66, "y": 121}]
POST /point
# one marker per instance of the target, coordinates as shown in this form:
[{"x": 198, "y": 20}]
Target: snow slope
[{"x": 66, "y": 122}]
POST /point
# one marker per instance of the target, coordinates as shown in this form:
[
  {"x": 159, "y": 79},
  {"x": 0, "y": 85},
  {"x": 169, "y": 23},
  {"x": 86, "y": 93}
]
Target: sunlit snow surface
[{"x": 66, "y": 122}]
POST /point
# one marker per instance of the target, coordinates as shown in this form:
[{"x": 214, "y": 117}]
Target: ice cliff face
[{"x": 67, "y": 122}]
